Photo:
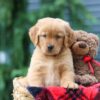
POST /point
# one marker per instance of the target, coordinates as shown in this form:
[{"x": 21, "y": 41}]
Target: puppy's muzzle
[{"x": 50, "y": 47}]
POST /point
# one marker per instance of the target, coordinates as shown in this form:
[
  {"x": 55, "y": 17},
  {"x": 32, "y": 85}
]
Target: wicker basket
[{"x": 19, "y": 90}]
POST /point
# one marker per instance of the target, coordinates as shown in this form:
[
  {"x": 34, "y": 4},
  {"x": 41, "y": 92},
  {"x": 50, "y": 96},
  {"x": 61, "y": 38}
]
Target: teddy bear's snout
[{"x": 82, "y": 45}]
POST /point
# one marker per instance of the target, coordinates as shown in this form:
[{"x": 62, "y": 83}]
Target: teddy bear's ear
[
  {"x": 33, "y": 34},
  {"x": 95, "y": 37},
  {"x": 80, "y": 34}
]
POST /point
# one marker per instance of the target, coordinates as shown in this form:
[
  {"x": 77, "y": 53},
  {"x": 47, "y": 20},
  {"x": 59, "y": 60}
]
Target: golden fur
[{"x": 54, "y": 67}]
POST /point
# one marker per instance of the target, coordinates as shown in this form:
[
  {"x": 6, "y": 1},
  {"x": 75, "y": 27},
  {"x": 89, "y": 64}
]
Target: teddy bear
[{"x": 84, "y": 50}]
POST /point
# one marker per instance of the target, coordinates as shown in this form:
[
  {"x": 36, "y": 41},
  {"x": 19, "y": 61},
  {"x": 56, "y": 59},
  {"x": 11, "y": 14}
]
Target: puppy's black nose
[
  {"x": 82, "y": 45},
  {"x": 50, "y": 47}
]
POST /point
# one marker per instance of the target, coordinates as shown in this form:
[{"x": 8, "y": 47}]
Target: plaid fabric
[{"x": 60, "y": 93}]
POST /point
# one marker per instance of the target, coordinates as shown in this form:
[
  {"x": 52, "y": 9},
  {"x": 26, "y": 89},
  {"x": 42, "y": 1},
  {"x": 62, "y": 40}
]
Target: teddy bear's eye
[{"x": 78, "y": 40}]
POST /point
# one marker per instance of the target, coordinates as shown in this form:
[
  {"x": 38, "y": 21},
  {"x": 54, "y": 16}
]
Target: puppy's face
[
  {"x": 51, "y": 40},
  {"x": 51, "y": 35}
]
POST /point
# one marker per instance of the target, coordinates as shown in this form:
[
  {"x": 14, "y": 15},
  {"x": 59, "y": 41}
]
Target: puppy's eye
[
  {"x": 58, "y": 36},
  {"x": 44, "y": 35}
]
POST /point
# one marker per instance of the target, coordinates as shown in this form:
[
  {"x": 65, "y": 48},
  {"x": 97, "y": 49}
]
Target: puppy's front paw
[{"x": 70, "y": 85}]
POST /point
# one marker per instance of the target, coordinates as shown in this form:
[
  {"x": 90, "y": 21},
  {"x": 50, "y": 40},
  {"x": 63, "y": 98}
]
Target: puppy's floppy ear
[
  {"x": 33, "y": 34},
  {"x": 70, "y": 36}
]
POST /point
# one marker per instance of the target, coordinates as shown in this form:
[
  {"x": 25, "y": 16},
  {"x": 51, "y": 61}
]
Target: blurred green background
[{"x": 16, "y": 17}]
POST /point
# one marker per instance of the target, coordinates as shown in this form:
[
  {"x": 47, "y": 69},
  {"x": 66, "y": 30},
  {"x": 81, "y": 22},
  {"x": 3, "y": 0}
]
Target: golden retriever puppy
[{"x": 51, "y": 63}]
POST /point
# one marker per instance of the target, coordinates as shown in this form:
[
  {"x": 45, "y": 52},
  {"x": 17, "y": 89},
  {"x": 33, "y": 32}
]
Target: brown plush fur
[
  {"x": 51, "y": 67},
  {"x": 87, "y": 43}
]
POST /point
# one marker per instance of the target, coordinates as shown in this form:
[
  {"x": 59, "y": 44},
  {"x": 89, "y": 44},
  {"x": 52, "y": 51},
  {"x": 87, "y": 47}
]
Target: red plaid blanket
[{"x": 60, "y": 93}]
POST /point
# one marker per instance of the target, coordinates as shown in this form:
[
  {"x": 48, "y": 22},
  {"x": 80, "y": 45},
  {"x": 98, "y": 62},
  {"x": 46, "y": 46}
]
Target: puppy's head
[{"x": 52, "y": 35}]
